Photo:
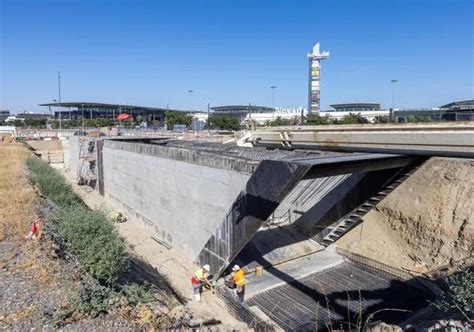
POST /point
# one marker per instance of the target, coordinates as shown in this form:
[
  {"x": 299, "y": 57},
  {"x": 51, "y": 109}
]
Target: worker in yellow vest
[
  {"x": 238, "y": 279},
  {"x": 199, "y": 279}
]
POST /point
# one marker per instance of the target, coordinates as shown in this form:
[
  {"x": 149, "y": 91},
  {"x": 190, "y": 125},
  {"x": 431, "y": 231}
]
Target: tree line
[{"x": 218, "y": 122}]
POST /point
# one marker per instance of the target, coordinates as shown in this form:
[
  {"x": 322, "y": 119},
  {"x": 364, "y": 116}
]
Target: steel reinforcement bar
[{"x": 418, "y": 281}]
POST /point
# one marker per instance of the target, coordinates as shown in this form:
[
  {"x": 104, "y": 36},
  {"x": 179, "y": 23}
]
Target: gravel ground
[{"x": 27, "y": 302}]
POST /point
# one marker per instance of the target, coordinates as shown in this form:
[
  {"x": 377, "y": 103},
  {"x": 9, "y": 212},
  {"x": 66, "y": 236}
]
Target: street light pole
[
  {"x": 208, "y": 120},
  {"x": 393, "y": 99},
  {"x": 273, "y": 87},
  {"x": 190, "y": 98},
  {"x": 59, "y": 98},
  {"x": 393, "y": 92},
  {"x": 82, "y": 118}
]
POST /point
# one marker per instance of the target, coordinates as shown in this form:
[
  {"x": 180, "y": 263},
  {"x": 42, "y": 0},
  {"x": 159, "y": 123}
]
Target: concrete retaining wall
[{"x": 182, "y": 202}]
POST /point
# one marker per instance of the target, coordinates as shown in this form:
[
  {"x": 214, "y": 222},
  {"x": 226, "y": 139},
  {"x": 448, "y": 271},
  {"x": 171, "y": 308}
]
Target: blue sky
[{"x": 230, "y": 52}]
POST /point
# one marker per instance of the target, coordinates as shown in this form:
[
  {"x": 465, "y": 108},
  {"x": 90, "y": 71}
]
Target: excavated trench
[
  {"x": 316, "y": 288},
  {"x": 345, "y": 296},
  {"x": 338, "y": 297}
]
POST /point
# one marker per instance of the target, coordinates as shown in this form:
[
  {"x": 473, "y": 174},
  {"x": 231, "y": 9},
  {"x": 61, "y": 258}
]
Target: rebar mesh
[{"x": 337, "y": 297}]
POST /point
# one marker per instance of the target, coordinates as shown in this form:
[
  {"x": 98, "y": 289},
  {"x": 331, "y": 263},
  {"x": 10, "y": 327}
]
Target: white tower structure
[{"x": 315, "y": 57}]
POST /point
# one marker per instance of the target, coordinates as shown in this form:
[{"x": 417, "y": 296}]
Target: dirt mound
[{"x": 426, "y": 223}]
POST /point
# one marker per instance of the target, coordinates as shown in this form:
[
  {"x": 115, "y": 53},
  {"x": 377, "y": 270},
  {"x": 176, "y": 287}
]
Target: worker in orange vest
[
  {"x": 238, "y": 279},
  {"x": 199, "y": 279}
]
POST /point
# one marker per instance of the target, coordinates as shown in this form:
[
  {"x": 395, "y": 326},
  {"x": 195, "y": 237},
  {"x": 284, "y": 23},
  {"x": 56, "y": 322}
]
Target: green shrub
[
  {"x": 87, "y": 234},
  {"x": 174, "y": 118},
  {"x": 352, "y": 118},
  {"x": 93, "y": 239},
  {"x": 94, "y": 300},
  {"x": 223, "y": 122},
  {"x": 316, "y": 119},
  {"x": 51, "y": 183},
  {"x": 136, "y": 294},
  {"x": 460, "y": 294}
]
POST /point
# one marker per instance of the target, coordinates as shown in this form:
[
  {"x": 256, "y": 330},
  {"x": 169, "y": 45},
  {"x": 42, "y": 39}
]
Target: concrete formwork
[{"x": 183, "y": 202}]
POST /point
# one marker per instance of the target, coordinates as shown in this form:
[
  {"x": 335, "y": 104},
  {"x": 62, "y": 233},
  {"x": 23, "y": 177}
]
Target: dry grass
[
  {"x": 17, "y": 196},
  {"x": 17, "y": 202}
]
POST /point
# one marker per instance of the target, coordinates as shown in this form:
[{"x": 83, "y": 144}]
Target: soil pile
[{"x": 426, "y": 223}]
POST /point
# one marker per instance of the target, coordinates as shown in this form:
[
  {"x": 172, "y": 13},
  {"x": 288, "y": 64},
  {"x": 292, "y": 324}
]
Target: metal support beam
[{"x": 324, "y": 167}]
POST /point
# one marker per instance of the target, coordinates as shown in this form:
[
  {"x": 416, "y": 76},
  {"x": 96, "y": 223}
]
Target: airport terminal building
[
  {"x": 456, "y": 111},
  {"x": 90, "y": 110}
]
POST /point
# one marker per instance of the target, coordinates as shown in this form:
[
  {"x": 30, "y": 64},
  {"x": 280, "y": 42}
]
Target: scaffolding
[{"x": 87, "y": 171}]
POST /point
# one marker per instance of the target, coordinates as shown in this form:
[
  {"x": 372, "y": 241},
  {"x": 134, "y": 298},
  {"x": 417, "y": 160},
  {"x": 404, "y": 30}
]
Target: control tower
[{"x": 315, "y": 57}]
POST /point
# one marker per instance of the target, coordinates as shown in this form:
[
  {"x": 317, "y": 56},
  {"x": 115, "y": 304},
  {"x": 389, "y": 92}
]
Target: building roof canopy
[
  {"x": 355, "y": 105},
  {"x": 106, "y": 106},
  {"x": 241, "y": 108}
]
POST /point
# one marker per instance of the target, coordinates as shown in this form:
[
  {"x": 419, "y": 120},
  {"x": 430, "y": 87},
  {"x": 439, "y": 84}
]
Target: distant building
[
  {"x": 89, "y": 110},
  {"x": 9, "y": 130},
  {"x": 31, "y": 116},
  {"x": 460, "y": 105},
  {"x": 455, "y": 111},
  {"x": 240, "y": 112},
  {"x": 368, "y": 110},
  {"x": 259, "y": 114},
  {"x": 356, "y": 107},
  {"x": 4, "y": 114}
]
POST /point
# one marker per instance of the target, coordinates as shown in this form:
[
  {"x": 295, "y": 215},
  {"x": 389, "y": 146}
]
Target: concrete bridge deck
[{"x": 441, "y": 139}]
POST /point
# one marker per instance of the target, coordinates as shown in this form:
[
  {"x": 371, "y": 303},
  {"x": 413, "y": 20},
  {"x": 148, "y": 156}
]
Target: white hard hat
[
  {"x": 207, "y": 267},
  {"x": 236, "y": 268}
]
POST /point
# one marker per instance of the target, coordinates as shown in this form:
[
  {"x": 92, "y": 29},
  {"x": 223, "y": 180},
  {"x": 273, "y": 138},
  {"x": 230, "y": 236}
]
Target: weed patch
[
  {"x": 94, "y": 241},
  {"x": 52, "y": 184},
  {"x": 89, "y": 236}
]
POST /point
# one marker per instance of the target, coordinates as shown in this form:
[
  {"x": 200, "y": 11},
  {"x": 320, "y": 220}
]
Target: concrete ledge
[{"x": 201, "y": 158}]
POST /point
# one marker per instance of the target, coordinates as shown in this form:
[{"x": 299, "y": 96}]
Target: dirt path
[{"x": 171, "y": 263}]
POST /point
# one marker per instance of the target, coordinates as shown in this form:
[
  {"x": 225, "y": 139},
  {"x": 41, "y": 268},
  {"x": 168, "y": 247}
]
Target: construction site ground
[
  {"x": 426, "y": 225},
  {"x": 169, "y": 262}
]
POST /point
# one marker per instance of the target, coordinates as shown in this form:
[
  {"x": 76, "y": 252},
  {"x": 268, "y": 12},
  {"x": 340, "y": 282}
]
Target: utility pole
[
  {"x": 208, "y": 119},
  {"x": 190, "y": 98},
  {"x": 59, "y": 96},
  {"x": 82, "y": 118},
  {"x": 273, "y": 87},
  {"x": 393, "y": 100}
]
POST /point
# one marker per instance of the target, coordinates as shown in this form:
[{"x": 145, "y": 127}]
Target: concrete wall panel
[{"x": 182, "y": 202}]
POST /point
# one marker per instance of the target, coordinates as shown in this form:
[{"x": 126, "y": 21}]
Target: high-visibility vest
[
  {"x": 239, "y": 278},
  {"x": 198, "y": 276}
]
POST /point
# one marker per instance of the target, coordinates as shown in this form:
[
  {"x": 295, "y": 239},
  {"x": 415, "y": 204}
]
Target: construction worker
[
  {"x": 238, "y": 280},
  {"x": 199, "y": 279}
]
